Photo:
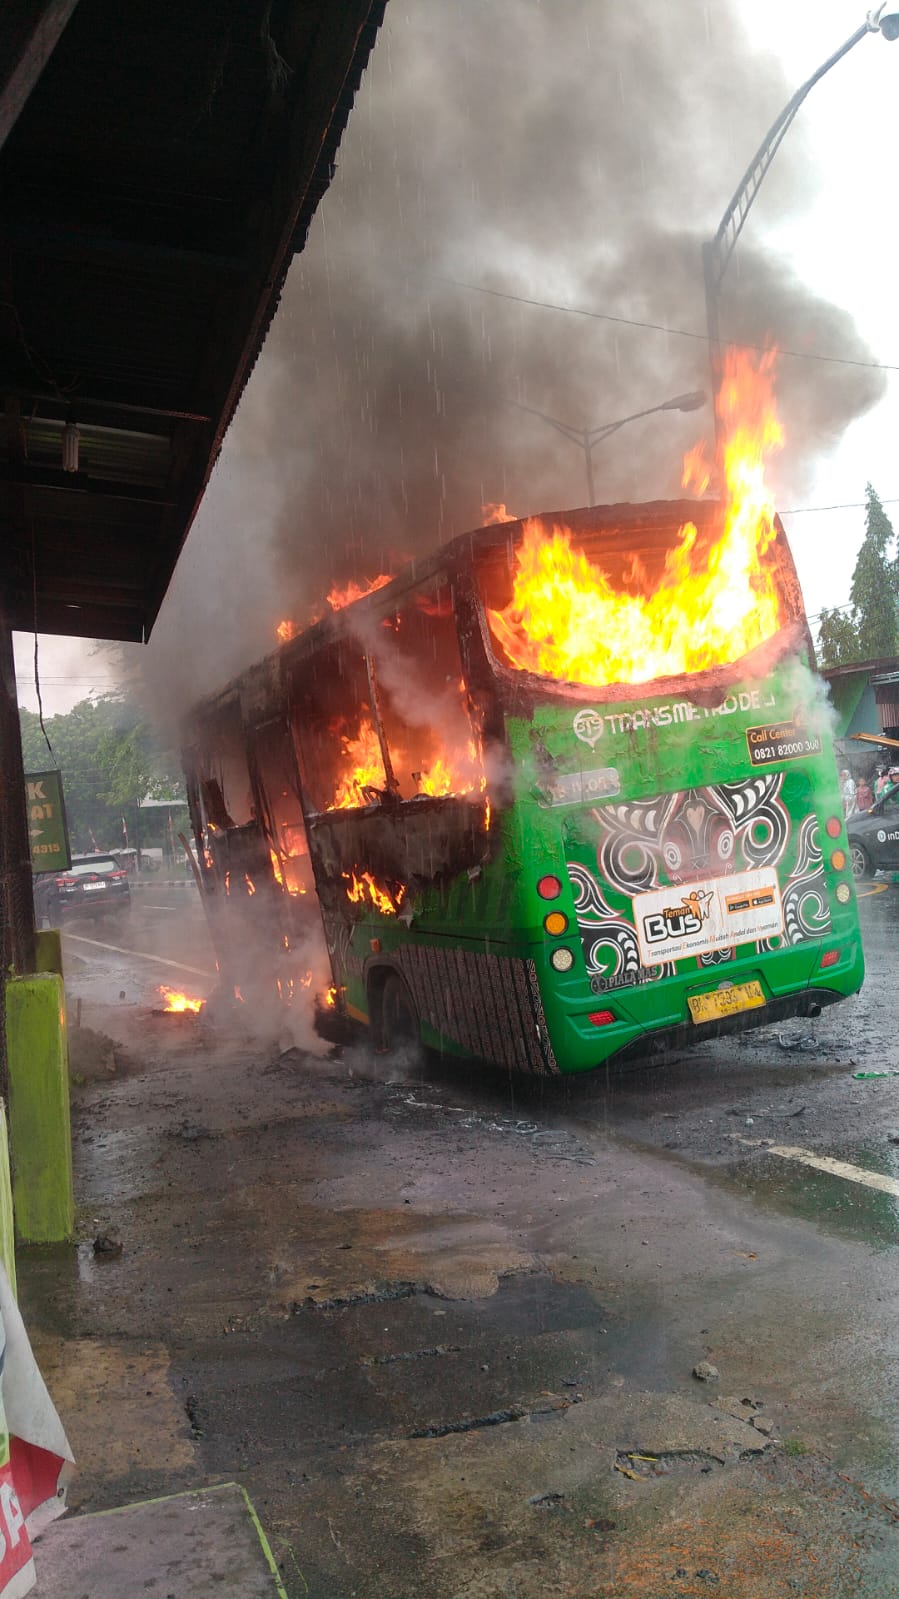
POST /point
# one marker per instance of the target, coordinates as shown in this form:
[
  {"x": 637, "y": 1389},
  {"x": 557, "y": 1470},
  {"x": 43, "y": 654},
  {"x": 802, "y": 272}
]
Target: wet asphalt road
[
  {"x": 442, "y": 1325},
  {"x": 817, "y": 1087}
]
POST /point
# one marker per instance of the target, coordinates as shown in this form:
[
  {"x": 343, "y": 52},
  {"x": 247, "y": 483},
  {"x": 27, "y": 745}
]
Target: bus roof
[{"x": 459, "y": 552}]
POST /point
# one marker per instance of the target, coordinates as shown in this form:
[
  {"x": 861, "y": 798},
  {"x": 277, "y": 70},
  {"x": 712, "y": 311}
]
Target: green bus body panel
[{"x": 615, "y": 800}]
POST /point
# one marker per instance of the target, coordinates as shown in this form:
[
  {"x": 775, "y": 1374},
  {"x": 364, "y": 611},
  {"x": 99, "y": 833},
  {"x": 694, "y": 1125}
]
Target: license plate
[
  {"x": 89, "y": 887},
  {"x": 725, "y": 1001}
]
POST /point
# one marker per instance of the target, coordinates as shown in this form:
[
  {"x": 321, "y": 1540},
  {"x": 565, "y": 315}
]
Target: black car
[
  {"x": 874, "y": 836},
  {"x": 94, "y": 885}
]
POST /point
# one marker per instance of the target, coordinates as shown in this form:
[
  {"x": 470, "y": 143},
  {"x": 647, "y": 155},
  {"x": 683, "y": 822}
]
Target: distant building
[{"x": 865, "y": 698}]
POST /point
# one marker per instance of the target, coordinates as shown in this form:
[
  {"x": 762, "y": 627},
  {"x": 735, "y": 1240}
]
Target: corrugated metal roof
[{"x": 152, "y": 192}]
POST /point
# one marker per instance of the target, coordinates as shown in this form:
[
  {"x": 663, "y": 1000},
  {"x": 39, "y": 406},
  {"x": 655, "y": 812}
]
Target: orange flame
[
  {"x": 454, "y": 770},
  {"x": 285, "y": 631},
  {"x": 338, "y": 597},
  {"x": 329, "y": 998},
  {"x": 439, "y": 779},
  {"x": 712, "y": 604},
  {"x": 286, "y": 872},
  {"x": 363, "y": 889},
  {"x": 365, "y": 767},
  {"x": 251, "y": 886},
  {"x": 176, "y": 1001}
]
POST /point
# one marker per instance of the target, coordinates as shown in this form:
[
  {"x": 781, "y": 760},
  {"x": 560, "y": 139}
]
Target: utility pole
[
  {"x": 588, "y": 437},
  {"x": 716, "y": 252}
]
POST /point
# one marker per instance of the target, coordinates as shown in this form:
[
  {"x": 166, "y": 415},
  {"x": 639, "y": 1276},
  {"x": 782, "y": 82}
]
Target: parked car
[
  {"x": 94, "y": 885},
  {"x": 874, "y": 836}
]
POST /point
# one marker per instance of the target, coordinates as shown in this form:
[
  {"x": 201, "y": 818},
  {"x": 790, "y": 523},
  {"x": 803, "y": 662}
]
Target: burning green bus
[{"x": 562, "y": 793}]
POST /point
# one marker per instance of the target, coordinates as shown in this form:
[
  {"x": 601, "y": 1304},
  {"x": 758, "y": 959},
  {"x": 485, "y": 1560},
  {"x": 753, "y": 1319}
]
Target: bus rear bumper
[{"x": 806, "y": 1003}]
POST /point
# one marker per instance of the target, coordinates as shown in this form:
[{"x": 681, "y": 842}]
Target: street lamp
[
  {"x": 587, "y": 437},
  {"x": 716, "y": 253}
]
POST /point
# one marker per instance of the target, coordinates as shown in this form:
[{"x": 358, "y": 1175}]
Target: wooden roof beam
[{"x": 31, "y": 31}]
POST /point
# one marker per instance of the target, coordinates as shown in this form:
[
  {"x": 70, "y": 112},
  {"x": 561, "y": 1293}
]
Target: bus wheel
[
  {"x": 861, "y": 861},
  {"x": 400, "y": 1031}
]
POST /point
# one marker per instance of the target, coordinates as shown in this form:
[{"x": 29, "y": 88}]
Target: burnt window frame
[
  {"x": 299, "y": 675},
  {"x": 385, "y": 700},
  {"x": 518, "y": 686},
  {"x": 278, "y": 723}
]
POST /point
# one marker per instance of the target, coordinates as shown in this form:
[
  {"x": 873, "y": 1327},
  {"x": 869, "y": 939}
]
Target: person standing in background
[{"x": 864, "y": 795}]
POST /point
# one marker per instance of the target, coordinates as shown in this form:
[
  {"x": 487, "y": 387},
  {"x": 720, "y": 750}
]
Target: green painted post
[
  {"x": 7, "y": 1230},
  {"x": 39, "y": 1125},
  {"x": 48, "y": 951}
]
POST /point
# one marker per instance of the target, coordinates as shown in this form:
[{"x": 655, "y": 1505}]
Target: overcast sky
[{"x": 836, "y": 230}]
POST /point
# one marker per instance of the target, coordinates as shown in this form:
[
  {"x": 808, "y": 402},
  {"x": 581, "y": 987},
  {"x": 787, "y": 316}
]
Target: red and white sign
[{"x": 35, "y": 1457}]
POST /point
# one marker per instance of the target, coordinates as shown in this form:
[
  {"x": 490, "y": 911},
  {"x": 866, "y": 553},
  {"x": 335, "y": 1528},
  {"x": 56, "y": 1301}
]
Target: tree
[
  {"x": 837, "y": 639},
  {"x": 868, "y": 630},
  {"x": 874, "y": 591},
  {"x": 109, "y": 761}
]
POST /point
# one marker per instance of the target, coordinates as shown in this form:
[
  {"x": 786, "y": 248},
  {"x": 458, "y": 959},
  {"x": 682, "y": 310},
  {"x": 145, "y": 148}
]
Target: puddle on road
[{"x": 831, "y": 1201}]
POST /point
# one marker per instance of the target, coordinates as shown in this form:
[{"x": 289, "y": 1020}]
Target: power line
[
  {"x": 816, "y": 616},
  {"x": 656, "y": 327},
  {"x": 851, "y": 505}
]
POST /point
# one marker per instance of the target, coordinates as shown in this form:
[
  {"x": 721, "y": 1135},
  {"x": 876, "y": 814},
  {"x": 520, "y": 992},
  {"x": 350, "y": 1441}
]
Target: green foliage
[
  {"x": 868, "y": 629},
  {"x": 109, "y": 760},
  {"x": 837, "y": 639}
]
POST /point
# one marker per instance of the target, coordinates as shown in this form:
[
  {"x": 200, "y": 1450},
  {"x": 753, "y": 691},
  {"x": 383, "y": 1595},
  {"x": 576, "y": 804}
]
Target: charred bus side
[{"x": 539, "y": 869}]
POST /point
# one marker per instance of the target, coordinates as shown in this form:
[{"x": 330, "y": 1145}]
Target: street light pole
[
  {"x": 716, "y": 252},
  {"x": 588, "y": 437}
]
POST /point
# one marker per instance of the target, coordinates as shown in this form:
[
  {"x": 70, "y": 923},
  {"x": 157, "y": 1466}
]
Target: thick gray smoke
[{"x": 571, "y": 150}]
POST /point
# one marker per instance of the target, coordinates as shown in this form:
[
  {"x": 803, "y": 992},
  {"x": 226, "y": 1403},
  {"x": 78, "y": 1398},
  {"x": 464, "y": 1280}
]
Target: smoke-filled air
[{"x": 575, "y": 152}]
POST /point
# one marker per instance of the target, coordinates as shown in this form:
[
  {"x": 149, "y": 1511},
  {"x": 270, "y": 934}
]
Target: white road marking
[
  {"x": 136, "y": 954},
  {"x": 172, "y": 910},
  {"x": 834, "y": 1168}
]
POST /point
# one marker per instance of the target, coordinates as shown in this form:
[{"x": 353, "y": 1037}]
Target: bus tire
[
  {"x": 860, "y": 861},
  {"x": 399, "y": 1027}
]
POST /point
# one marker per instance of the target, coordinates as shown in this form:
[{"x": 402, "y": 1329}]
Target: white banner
[{"x": 716, "y": 913}]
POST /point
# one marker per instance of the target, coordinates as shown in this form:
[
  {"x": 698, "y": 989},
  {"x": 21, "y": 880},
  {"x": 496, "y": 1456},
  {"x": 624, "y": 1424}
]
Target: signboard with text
[{"x": 47, "y": 831}]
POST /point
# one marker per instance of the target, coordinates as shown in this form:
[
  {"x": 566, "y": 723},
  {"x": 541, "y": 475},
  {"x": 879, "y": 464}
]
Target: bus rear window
[{"x": 658, "y": 594}]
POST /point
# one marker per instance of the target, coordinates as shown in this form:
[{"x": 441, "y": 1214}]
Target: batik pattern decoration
[
  {"x": 683, "y": 837},
  {"x": 609, "y": 941},
  {"x": 806, "y": 911}
]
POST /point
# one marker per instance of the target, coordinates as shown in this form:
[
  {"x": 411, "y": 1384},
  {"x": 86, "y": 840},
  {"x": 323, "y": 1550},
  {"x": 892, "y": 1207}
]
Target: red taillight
[
  {"x": 549, "y": 887},
  {"x": 118, "y": 874},
  {"x": 829, "y": 958},
  {"x": 64, "y": 882},
  {"x": 601, "y": 1018},
  {"x": 833, "y": 827}
]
